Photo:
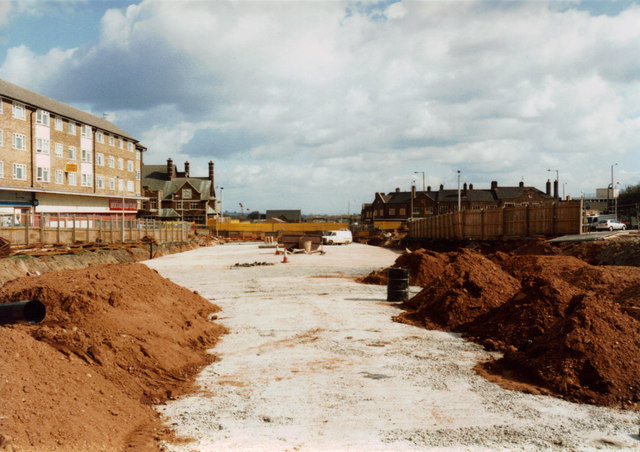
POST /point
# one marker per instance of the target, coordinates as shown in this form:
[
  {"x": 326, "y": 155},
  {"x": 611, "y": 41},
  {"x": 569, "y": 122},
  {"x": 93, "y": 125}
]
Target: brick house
[{"x": 178, "y": 196}]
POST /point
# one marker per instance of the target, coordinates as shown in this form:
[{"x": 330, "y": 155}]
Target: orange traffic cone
[
  {"x": 284, "y": 259},
  {"x": 277, "y": 251}
]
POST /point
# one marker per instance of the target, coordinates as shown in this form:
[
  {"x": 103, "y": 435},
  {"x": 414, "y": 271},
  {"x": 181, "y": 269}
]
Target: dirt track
[{"x": 313, "y": 361}]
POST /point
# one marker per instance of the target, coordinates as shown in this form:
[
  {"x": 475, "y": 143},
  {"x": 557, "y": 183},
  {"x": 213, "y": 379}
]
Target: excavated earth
[{"x": 566, "y": 317}]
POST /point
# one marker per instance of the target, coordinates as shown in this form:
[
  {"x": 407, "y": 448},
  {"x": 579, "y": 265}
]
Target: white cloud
[{"x": 23, "y": 67}]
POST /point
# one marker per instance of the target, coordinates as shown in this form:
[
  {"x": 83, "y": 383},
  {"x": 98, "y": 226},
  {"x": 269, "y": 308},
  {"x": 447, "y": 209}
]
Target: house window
[
  {"x": 85, "y": 131},
  {"x": 153, "y": 203},
  {"x": 186, "y": 193},
  {"x": 42, "y": 117},
  {"x": 72, "y": 179},
  {"x": 194, "y": 205},
  {"x": 392, "y": 211},
  {"x": 58, "y": 123},
  {"x": 1, "y": 170},
  {"x": 18, "y": 111},
  {"x": 59, "y": 176},
  {"x": 59, "y": 150},
  {"x": 42, "y": 146},
  {"x": 100, "y": 182},
  {"x": 72, "y": 152},
  {"x": 120, "y": 163},
  {"x": 99, "y": 159},
  {"x": 112, "y": 183},
  {"x": 100, "y": 136},
  {"x": 111, "y": 140},
  {"x": 85, "y": 156},
  {"x": 112, "y": 161},
  {"x": 137, "y": 155},
  {"x": 85, "y": 180},
  {"x": 42, "y": 174},
  {"x": 129, "y": 165},
  {"x": 20, "y": 171},
  {"x": 130, "y": 186},
  {"x": 137, "y": 174},
  {"x": 19, "y": 142},
  {"x": 402, "y": 211}
]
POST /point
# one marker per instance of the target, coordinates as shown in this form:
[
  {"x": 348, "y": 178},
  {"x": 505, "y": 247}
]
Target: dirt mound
[
  {"x": 467, "y": 286},
  {"x": 116, "y": 339},
  {"x": 424, "y": 266}
]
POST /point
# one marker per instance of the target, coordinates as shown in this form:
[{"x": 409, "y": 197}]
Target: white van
[{"x": 337, "y": 237}]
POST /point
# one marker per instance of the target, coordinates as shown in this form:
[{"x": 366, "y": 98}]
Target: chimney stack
[
  {"x": 464, "y": 188},
  {"x": 170, "y": 173},
  {"x": 521, "y": 184},
  {"x": 470, "y": 186},
  {"x": 397, "y": 189},
  {"x": 494, "y": 184},
  {"x": 548, "y": 187},
  {"x": 186, "y": 168},
  {"x": 429, "y": 189},
  {"x": 555, "y": 188},
  {"x": 212, "y": 190},
  {"x": 441, "y": 187}
]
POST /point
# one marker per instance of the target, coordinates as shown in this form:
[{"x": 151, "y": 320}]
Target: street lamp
[
  {"x": 418, "y": 172},
  {"x": 222, "y": 204},
  {"x": 563, "y": 185},
  {"x": 459, "y": 199},
  {"x": 610, "y": 192}
]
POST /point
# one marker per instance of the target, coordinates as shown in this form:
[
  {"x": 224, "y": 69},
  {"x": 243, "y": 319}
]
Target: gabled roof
[
  {"x": 156, "y": 178},
  {"x": 14, "y": 92},
  {"x": 290, "y": 215}
]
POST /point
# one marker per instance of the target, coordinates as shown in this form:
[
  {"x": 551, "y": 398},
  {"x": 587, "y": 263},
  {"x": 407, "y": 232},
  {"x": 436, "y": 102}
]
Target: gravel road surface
[{"x": 314, "y": 362}]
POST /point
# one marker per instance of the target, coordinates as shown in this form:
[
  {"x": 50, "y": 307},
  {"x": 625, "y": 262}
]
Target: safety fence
[
  {"x": 54, "y": 228},
  {"x": 551, "y": 219},
  {"x": 265, "y": 229}
]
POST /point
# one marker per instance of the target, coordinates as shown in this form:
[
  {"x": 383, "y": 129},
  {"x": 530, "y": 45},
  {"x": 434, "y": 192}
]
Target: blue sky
[{"x": 318, "y": 105}]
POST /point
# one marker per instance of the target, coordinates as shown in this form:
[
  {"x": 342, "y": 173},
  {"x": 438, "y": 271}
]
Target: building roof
[
  {"x": 167, "y": 213},
  {"x": 468, "y": 195},
  {"x": 156, "y": 178},
  {"x": 14, "y": 92},
  {"x": 289, "y": 215}
]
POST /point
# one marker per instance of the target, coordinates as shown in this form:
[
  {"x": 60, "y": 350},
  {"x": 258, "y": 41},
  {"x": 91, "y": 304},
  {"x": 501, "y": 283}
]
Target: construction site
[{"x": 206, "y": 344}]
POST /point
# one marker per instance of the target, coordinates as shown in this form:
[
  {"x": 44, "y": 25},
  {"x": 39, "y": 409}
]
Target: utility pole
[{"x": 459, "y": 198}]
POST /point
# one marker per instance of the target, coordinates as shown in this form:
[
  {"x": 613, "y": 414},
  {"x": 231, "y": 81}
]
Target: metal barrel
[
  {"x": 397, "y": 284},
  {"x": 22, "y": 311}
]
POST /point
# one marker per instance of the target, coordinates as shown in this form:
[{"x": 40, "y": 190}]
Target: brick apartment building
[
  {"x": 397, "y": 205},
  {"x": 176, "y": 195},
  {"x": 57, "y": 159}
]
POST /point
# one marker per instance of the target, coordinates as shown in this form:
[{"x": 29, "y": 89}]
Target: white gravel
[{"x": 314, "y": 362}]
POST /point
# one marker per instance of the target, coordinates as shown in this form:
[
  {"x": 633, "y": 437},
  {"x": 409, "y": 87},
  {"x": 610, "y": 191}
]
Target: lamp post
[
  {"x": 222, "y": 204},
  {"x": 459, "y": 198},
  {"x": 563, "y": 185},
  {"x": 610, "y": 192},
  {"x": 423, "y": 181}
]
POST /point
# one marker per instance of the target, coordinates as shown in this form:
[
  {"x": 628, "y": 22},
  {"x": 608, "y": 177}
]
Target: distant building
[
  {"x": 57, "y": 159},
  {"x": 175, "y": 195},
  {"x": 286, "y": 216},
  {"x": 397, "y": 205}
]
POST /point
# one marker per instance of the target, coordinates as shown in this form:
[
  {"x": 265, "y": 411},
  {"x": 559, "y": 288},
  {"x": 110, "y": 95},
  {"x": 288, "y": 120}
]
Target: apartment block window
[
  {"x": 85, "y": 180},
  {"x": 42, "y": 174},
  {"x": 129, "y": 165},
  {"x": 99, "y": 159},
  {"x": 186, "y": 193},
  {"x": 120, "y": 185},
  {"x": 72, "y": 152},
  {"x": 42, "y": 117},
  {"x": 137, "y": 174},
  {"x": 100, "y": 182},
  {"x": 112, "y": 161},
  {"x": 58, "y": 150},
  {"x": 20, "y": 171},
  {"x": 130, "y": 147},
  {"x": 73, "y": 179},
  {"x": 100, "y": 136},
  {"x": 111, "y": 140},
  {"x": 1, "y": 170},
  {"x": 42, "y": 146},
  {"x": 193, "y": 205},
  {"x": 120, "y": 143},
  {"x": 58, "y": 123},
  {"x": 138, "y": 155},
  {"x": 59, "y": 176},
  {"x": 85, "y": 131},
  {"x": 72, "y": 128},
  {"x": 120, "y": 164},
  {"x": 112, "y": 184},
  {"x": 85, "y": 156},
  {"x": 19, "y": 111},
  {"x": 19, "y": 142},
  {"x": 130, "y": 186}
]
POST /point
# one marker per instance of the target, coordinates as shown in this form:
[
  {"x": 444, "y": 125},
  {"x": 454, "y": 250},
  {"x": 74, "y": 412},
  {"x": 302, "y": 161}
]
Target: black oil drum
[{"x": 398, "y": 284}]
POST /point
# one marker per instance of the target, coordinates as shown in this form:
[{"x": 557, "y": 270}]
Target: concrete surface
[{"x": 314, "y": 362}]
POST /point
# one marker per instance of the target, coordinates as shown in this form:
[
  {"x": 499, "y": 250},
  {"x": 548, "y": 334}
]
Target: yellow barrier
[
  {"x": 259, "y": 228},
  {"x": 387, "y": 225}
]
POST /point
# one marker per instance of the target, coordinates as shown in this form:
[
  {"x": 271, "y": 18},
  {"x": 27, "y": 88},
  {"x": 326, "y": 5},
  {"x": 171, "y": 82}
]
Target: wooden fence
[
  {"x": 552, "y": 219},
  {"x": 55, "y": 228}
]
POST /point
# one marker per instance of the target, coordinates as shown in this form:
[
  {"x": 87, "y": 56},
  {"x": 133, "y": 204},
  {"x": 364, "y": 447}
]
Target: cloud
[{"x": 311, "y": 98}]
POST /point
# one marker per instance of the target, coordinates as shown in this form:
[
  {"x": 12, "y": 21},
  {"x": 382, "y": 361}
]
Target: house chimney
[
  {"x": 441, "y": 187},
  {"x": 186, "y": 169},
  {"x": 521, "y": 184},
  {"x": 170, "y": 168},
  {"x": 470, "y": 186},
  {"x": 212, "y": 190},
  {"x": 397, "y": 189},
  {"x": 555, "y": 188},
  {"x": 429, "y": 188},
  {"x": 464, "y": 188},
  {"x": 413, "y": 191},
  {"x": 494, "y": 184},
  {"x": 548, "y": 187}
]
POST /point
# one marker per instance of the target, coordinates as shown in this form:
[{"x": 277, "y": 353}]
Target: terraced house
[{"x": 57, "y": 159}]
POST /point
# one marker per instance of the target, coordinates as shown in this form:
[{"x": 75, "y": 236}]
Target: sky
[{"x": 317, "y": 105}]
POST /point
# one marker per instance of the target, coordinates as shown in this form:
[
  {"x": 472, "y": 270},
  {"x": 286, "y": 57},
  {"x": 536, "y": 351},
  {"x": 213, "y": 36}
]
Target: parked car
[
  {"x": 337, "y": 237},
  {"x": 610, "y": 225}
]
